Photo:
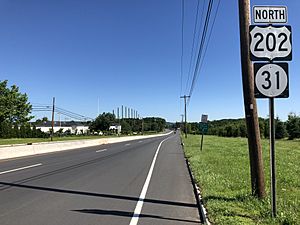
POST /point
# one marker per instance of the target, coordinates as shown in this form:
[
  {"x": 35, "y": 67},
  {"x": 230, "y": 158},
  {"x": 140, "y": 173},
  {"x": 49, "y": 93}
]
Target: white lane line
[
  {"x": 102, "y": 150},
  {"x": 140, "y": 141},
  {"x": 139, "y": 205},
  {"x": 21, "y": 168},
  {"x": 127, "y": 144}
]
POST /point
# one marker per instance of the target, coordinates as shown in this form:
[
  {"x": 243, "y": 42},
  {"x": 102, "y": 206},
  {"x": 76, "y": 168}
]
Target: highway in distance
[{"x": 143, "y": 182}]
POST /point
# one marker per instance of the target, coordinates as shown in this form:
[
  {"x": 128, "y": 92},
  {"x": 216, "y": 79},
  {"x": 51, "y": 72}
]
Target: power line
[
  {"x": 209, "y": 36},
  {"x": 193, "y": 44},
  {"x": 208, "y": 13},
  {"x": 182, "y": 36}
]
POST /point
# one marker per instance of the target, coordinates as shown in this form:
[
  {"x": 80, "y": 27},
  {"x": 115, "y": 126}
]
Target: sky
[{"x": 96, "y": 55}]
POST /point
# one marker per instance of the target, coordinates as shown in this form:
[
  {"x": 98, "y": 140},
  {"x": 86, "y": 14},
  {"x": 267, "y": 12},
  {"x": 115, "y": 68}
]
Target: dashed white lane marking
[
  {"x": 102, "y": 150},
  {"x": 139, "y": 205},
  {"x": 127, "y": 144},
  {"x": 21, "y": 168},
  {"x": 140, "y": 141}
]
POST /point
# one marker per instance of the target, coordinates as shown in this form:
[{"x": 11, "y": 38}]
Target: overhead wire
[
  {"x": 182, "y": 42},
  {"x": 194, "y": 37},
  {"x": 195, "y": 74},
  {"x": 207, "y": 43}
]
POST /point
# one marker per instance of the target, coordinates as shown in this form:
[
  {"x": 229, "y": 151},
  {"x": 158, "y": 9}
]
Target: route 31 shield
[{"x": 271, "y": 80}]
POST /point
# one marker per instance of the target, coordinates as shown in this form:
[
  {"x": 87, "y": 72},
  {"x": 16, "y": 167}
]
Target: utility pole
[
  {"x": 185, "y": 125},
  {"x": 142, "y": 126},
  {"x": 254, "y": 143},
  {"x": 52, "y": 124}
]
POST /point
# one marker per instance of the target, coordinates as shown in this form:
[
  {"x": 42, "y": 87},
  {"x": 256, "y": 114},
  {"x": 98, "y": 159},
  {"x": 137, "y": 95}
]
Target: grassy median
[
  {"x": 223, "y": 173},
  {"x": 13, "y": 141}
]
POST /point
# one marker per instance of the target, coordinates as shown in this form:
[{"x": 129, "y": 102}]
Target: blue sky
[{"x": 128, "y": 53}]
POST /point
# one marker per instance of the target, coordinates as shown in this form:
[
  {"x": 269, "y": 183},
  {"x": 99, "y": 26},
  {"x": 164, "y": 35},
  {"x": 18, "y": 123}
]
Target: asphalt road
[{"x": 137, "y": 182}]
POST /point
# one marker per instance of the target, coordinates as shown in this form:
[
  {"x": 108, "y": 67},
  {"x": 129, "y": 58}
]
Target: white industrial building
[{"x": 71, "y": 127}]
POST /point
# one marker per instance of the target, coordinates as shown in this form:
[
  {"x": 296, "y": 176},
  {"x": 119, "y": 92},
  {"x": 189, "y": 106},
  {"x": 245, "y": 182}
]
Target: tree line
[
  {"x": 128, "y": 125},
  {"x": 237, "y": 127}
]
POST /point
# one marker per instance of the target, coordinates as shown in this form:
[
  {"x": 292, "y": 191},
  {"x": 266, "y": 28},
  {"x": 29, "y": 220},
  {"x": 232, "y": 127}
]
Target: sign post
[
  {"x": 203, "y": 128},
  {"x": 271, "y": 43}
]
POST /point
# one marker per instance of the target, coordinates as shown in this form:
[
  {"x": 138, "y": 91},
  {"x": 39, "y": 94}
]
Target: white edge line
[
  {"x": 21, "y": 168},
  {"x": 135, "y": 218},
  {"x": 102, "y": 150}
]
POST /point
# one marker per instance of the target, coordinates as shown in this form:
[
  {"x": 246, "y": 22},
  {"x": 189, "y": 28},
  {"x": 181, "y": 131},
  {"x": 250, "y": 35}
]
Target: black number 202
[{"x": 270, "y": 47}]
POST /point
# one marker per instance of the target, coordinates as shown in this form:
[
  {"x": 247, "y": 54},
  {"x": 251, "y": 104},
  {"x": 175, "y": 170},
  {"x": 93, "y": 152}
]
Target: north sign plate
[
  {"x": 270, "y": 43},
  {"x": 269, "y": 14},
  {"x": 271, "y": 80}
]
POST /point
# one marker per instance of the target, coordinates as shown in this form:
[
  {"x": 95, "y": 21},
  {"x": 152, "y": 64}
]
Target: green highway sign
[{"x": 203, "y": 127}]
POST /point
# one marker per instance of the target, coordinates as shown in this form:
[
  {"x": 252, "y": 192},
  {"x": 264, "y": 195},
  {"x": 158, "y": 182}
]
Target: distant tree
[
  {"x": 243, "y": 130},
  {"x": 236, "y": 131},
  {"x": 60, "y": 131},
  {"x": 125, "y": 127},
  {"x": 229, "y": 131},
  {"x": 28, "y": 131},
  {"x": 14, "y": 106},
  {"x": 22, "y": 131},
  {"x": 34, "y": 131},
  {"x": 293, "y": 126},
  {"x": 266, "y": 129},
  {"x": 280, "y": 130},
  {"x": 16, "y": 131},
  {"x": 103, "y": 122},
  {"x": 261, "y": 123}
]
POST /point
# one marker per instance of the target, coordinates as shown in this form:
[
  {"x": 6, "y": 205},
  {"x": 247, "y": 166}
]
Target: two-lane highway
[{"x": 138, "y": 182}]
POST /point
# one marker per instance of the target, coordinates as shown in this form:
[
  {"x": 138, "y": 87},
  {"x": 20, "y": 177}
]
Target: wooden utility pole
[
  {"x": 52, "y": 123},
  {"x": 254, "y": 144},
  {"x": 185, "y": 124}
]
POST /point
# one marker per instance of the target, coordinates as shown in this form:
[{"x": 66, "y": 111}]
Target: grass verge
[
  {"x": 222, "y": 171},
  {"x": 12, "y": 141}
]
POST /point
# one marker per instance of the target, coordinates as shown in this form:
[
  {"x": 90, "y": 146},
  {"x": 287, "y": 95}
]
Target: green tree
[
  {"x": 280, "y": 130},
  {"x": 243, "y": 130},
  {"x": 103, "y": 122},
  {"x": 22, "y": 131},
  {"x": 125, "y": 127},
  {"x": 14, "y": 106},
  {"x": 293, "y": 126},
  {"x": 16, "y": 131}
]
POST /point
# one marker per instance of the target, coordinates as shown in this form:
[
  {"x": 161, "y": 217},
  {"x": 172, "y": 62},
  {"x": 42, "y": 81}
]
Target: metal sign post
[
  {"x": 203, "y": 128},
  {"x": 271, "y": 43},
  {"x": 272, "y": 157}
]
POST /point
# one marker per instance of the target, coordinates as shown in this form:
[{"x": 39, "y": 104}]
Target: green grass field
[
  {"x": 223, "y": 173},
  {"x": 12, "y": 141}
]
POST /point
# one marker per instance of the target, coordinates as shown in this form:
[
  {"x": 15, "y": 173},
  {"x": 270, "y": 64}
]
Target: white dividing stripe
[
  {"x": 22, "y": 168},
  {"x": 140, "y": 141},
  {"x": 127, "y": 144},
  {"x": 139, "y": 205},
  {"x": 102, "y": 150}
]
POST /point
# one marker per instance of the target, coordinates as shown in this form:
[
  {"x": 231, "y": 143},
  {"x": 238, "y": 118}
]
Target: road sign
[
  {"x": 271, "y": 80},
  {"x": 270, "y": 43},
  {"x": 269, "y": 14},
  {"x": 204, "y": 118},
  {"x": 203, "y": 127}
]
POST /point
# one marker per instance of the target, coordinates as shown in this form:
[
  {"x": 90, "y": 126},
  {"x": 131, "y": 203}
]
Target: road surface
[{"x": 137, "y": 182}]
